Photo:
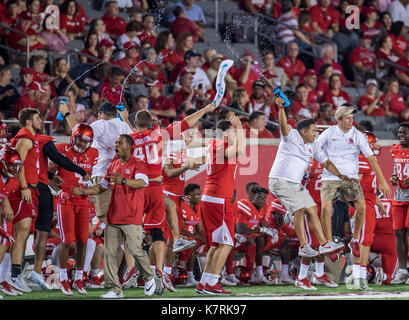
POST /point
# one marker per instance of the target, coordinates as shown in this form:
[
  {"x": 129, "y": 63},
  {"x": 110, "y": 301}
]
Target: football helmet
[
  {"x": 372, "y": 141},
  {"x": 242, "y": 273},
  {"x": 179, "y": 276},
  {"x": 10, "y": 162},
  {"x": 82, "y": 138}
]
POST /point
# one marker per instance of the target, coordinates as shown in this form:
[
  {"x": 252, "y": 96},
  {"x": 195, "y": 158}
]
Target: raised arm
[{"x": 383, "y": 185}]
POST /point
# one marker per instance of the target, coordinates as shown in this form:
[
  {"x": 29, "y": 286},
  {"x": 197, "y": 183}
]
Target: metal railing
[
  {"x": 48, "y": 125},
  {"x": 387, "y": 62},
  {"x": 4, "y": 26}
]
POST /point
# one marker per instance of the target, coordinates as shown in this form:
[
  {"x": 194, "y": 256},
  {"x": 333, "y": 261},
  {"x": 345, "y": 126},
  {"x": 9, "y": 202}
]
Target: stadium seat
[{"x": 385, "y": 135}]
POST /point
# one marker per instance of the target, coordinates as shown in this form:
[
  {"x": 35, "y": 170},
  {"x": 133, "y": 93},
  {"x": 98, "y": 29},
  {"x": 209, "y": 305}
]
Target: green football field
[{"x": 289, "y": 292}]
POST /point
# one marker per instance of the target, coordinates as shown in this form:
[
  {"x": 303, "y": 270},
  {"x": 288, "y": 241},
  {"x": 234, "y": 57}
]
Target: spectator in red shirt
[
  {"x": 384, "y": 51},
  {"x": 160, "y": 105},
  {"x": 182, "y": 24},
  {"x": 184, "y": 43},
  {"x": 256, "y": 126},
  {"x": 26, "y": 76},
  {"x": 334, "y": 94},
  {"x": 324, "y": 19},
  {"x": 11, "y": 15},
  {"x": 325, "y": 72},
  {"x": 18, "y": 42},
  {"x": 256, "y": 6},
  {"x": 115, "y": 25},
  {"x": 150, "y": 66},
  {"x": 328, "y": 56},
  {"x": 310, "y": 82},
  {"x": 398, "y": 35},
  {"x": 131, "y": 56},
  {"x": 363, "y": 59},
  {"x": 244, "y": 75},
  {"x": 402, "y": 75},
  {"x": 371, "y": 26},
  {"x": 393, "y": 102},
  {"x": 34, "y": 99},
  {"x": 309, "y": 110},
  {"x": 111, "y": 87},
  {"x": 71, "y": 22},
  {"x": 164, "y": 47},
  {"x": 293, "y": 67},
  {"x": 91, "y": 47},
  {"x": 33, "y": 6},
  {"x": 106, "y": 49},
  {"x": 325, "y": 114},
  {"x": 369, "y": 102},
  {"x": 148, "y": 33},
  {"x": 187, "y": 91}
]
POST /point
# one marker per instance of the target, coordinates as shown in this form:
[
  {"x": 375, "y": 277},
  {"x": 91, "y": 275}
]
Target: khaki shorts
[
  {"x": 293, "y": 196},
  {"x": 101, "y": 200},
  {"x": 351, "y": 190}
]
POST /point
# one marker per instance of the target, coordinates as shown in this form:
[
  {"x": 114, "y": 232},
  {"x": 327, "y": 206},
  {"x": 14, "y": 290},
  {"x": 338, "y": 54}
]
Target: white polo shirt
[
  {"x": 399, "y": 12},
  {"x": 343, "y": 150},
  {"x": 106, "y": 132},
  {"x": 293, "y": 156}
]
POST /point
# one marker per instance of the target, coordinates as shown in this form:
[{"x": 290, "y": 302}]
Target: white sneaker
[
  {"x": 331, "y": 247},
  {"x": 263, "y": 280},
  {"x": 304, "y": 284},
  {"x": 150, "y": 287},
  {"x": 307, "y": 251},
  {"x": 182, "y": 244},
  {"x": 363, "y": 285},
  {"x": 284, "y": 280},
  {"x": 38, "y": 279},
  {"x": 379, "y": 277},
  {"x": 400, "y": 278},
  {"x": 191, "y": 282},
  {"x": 225, "y": 282},
  {"x": 18, "y": 283},
  {"x": 232, "y": 278},
  {"x": 159, "y": 285},
  {"x": 254, "y": 278},
  {"x": 324, "y": 281},
  {"x": 112, "y": 295}
]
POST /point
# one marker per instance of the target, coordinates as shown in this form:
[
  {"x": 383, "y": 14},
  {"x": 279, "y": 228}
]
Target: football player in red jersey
[
  {"x": 217, "y": 212},
  {"x": 400, "y": 204},
  {"x": 73, "y": 210},
  {"x": 10, "y": 164},
  {"x": 23, "y": 200},
  {"x": 149, "y": 140}
]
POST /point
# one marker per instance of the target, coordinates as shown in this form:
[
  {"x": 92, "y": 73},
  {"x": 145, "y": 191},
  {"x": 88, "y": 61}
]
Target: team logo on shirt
[
  {"x": 351, "y": 141},
  {"x": 127, "y": 171}
]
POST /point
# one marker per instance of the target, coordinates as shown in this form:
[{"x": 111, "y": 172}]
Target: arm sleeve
[{"x": 52, "y": 153}]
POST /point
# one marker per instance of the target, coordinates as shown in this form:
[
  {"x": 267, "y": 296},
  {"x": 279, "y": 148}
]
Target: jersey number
[
  {"x": 149, "y": 155},
  {"x": 402, "y": 174}
]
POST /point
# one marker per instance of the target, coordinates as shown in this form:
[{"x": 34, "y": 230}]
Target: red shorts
[
  {"x": 155, "y": 214},
  {"x": 98, "y": 241},
  {"x": 178, "y": 201},
  {"x": 400, "y": 217},
  {"x": 185, "y": 255},
  {"x": 22, "y": 209},
  {"x": 368, "y": 228},
  {"x": 74, "y": 223},
  {"x": 7, "y": 229},
  {"x": 218, "y": 220},
  {"x": 52, "y": 243}
]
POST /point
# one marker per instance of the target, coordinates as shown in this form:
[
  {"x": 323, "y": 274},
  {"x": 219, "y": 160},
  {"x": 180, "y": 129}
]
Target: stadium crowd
[{"x": 78, "y": 184}]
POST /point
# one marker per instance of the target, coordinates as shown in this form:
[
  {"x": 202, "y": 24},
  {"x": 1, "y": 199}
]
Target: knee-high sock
[
  {"x": 91, "y": 244},
  {"x": 251, "y": 257},
  {"x": 5, "y": 267}
]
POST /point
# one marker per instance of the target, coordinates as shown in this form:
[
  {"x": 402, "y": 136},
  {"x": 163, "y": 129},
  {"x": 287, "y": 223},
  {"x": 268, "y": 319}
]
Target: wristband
[
  {"x": 123, "y": 181},
  {"x": 24, "y": 188},
  {"x": 67, "y": 114}
]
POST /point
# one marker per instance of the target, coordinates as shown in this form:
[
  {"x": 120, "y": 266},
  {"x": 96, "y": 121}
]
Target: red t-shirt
[
  {"x": 26, "y": 102},
  {"x": 367, "y": 57},
  {"x": 374, "y": 31},
  {"x": 86, "y": 51},
  {"x": 384, "y": 223},
  {"x": 115, "y": 26},
  {"x": 31, "y": 163},
  {"x": 251, "y": 78},
  {"x": 322, "y": 85},
  {"x": 404, "y": 62},
  {"x": 74, "y": 25},
  {"x": 71, "y": 179},
  {"x": 323, "y": 19},
  {"x": 292, "y": 70},
  {"x": 146, "y": 36},
  {"x": 111, "y": 94},
  {"x": 247, "y": 213},
  {"x": 148, "y": 145},
  {"x": 368, "y": 181},
  {"x": 399, "y": 44},
  {"x": 336, "y": 66},
  {"x": 170, "y": 56},
  {"x": 365, "y": 101},
  {"x": 162, "y": 103},
  {"x": 382, "y": 55},
  {"x": 396, "y": 102},
  {"x": 265, "y": 134},
  {"x": 14, "y": 37},
  {"x": 175, "y": 185},
  {"x": 336, "y": 100},
  {"x": 124, "y": 63},
  {"x": 127, "y": 204},
  {"x": 221, "y": 171},
  {"x": 180, "y": 25}
]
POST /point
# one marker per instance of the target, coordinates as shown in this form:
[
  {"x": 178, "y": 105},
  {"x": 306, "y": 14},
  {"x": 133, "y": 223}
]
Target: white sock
[
  {"x": 356, "y": 270},
  {"x": 63, "y": 274},
  {"x": 79, "y": 274},
  {"x": 404, "y": 271},
  {"x": 190, "y": 275},
  {"x": 89, "y": 253},
  {"x": 319, "y": 268},
  {"x": 5, "y": 267},
  {"x": 213, "y": 279},
  {"x": 259, "y": 270},
  {"x": 204, "y": 278},
  {"x": 167, "y": 269},
  {"x": 285, "y": 270},
  {"x": 303, "y": 271},
  {"x": 363, "y": 272}
]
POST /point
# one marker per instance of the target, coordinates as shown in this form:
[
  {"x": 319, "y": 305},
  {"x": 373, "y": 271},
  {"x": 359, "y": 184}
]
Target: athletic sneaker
[
  {"x": 191, "y": 282},
  {"x": 258, "y": 279},
  {"x": 217, "y": 289},
  {"x": 324, "y": 281},
  {"x": 400, "y": 278},
  {"x": 182, "y": 244},
  {"x": 284, "y": 280},
  {"x": 379, "y": 276},
  {"x": 363, "y": 284},
  {"x": 232, "y": 279},
  {"x": 331, "y": 247},
  {"x": 159, "y": 285},
  {"x": 66, "y": 287},
  {"x": 200, "y": 288},
  {"x": 79, "y": 285},
  {"x": 307, "y": 251},
  {"x": 304, "y": 284},
  {"x": 150, "y": 286},
  {"x": 112, "y": 295},
  {"x": 18, "y": 283},
  {"x": 7, "y": 289},
  {"x": 38, "y": 278},
  {"x": 130, "y": 277},
  {"x": 168, "y": 282},
  {"x": 354, "y": 246},
  {"x": 94, "y": 283},
  {"x": 225, "y": 282}
]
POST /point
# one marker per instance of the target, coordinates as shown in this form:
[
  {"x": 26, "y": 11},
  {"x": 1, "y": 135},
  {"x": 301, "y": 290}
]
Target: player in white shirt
[
  {"x": 342, "y": 143},
  {"x": 296, "y": 148}
]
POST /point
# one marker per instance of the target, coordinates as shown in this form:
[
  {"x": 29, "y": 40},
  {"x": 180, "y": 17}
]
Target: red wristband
[{"x": 24, "y": 188}]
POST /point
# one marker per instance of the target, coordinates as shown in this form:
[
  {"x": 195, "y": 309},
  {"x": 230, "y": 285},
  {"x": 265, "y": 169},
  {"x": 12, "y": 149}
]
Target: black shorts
[{"x": 45, "y": 208}]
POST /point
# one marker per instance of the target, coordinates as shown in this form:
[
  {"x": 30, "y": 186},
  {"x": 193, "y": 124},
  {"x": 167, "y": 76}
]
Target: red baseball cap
[
  {"x": 368, "y": 10},
  {"x": 131, "y": 44},
  {"x": 106, "y": 43},
  {"x": 35, "y": 86},
  {"x": 310, "y": 72},
  {"x": 184, "y": 72},
  {"x": 155, "y": 83},
  {"x": 26, "y": 70}
]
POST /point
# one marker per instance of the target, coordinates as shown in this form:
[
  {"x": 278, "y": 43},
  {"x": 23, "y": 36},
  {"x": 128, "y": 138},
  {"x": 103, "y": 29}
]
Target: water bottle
[
  {"x": 60, "y": 116},
  {"x": 120, "y": 107},
  {"x": 279, "y": 94}
]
